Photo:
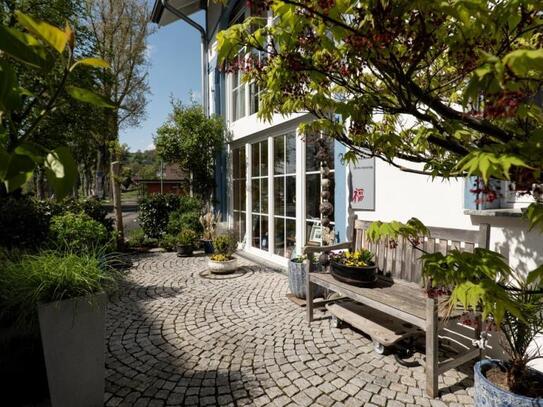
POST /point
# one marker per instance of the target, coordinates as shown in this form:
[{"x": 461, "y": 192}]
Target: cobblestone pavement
[{"x": 178, "y": 336}]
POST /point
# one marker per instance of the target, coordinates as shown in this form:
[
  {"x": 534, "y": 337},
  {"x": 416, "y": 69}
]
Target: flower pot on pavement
[
  {"x": 208, "y": 246},
  {"x": 184, "y": 250},
  {"x": 72, "y": 334},
  {"x": 488, "y": 394},
  {"x": 297, "y": 272},
  {"x": 223, "y": 267}
]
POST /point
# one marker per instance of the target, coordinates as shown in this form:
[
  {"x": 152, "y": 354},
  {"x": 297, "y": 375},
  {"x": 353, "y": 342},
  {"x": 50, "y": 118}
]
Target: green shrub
[
  {"x": 187, "y": 237},
  {"x": 190, "y": 204},
  {"x": 78, "y": 233},
  {"x": 98, "y": 212},
  {"x": 225, "y": 244},
  {"x": 154, "y": 212},
  {"x": 137, "y": 238},
  {"x": 23, "y": 223},
  {"x": 31, "y": 279},
  {"x": 184, "y": 220},
  {"x": 168, "y": 242}
]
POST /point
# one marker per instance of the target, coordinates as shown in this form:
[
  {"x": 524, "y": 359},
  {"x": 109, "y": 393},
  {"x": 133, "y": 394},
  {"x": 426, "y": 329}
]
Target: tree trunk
[
  {"x": 40, "y": 183},
  {"x": 117, "y": 204}
]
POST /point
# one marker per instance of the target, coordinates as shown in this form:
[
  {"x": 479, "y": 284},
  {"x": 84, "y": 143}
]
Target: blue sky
[{"x": 174, "y": 53}]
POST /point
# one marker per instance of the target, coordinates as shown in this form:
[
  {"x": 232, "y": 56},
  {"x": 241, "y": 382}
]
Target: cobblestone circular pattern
[{"x": 176, "y": 338}]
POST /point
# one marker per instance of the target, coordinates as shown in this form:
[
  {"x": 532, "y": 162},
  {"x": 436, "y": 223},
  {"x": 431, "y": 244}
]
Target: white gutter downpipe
[{"x": 204, "y": 51}]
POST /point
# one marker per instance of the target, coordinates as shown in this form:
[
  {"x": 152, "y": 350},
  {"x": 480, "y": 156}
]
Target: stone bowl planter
[
  {"x": 222, "y": 267},
  {"x": 297, "y": 273},
  {"x": 487, "y": 394},
  {"x": 184, "y": 250},
  {"x": 72, "y": 334},
  {"x": 359, "y": 276}
]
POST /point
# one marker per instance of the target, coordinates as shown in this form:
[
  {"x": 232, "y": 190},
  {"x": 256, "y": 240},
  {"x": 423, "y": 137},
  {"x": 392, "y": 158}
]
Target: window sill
[{"x": 506, "y": 213}]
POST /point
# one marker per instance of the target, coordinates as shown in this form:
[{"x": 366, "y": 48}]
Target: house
[
  {"x": 270, "y": 180},
  {"x": 173, "y": 180}
]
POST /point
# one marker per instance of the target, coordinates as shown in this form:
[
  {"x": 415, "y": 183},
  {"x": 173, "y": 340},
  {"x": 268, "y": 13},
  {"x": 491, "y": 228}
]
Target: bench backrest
[{"x": 403, "y": 261}]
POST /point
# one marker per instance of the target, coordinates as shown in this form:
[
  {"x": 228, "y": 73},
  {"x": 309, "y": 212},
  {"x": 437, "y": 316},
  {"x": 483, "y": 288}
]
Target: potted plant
[
  {"x": 298, "y": 267},
  {"x": 484, "y": 284},
  {"x": 65, "y": 295},
  {"x": 185, "y": 242},
  {"x": 222, "y": 261},
  {"x": 356, "y": 268},
  {"x": 209, "y": 221}
]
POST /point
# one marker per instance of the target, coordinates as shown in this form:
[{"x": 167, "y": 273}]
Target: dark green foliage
[
  {"x": 225, "y": 244},
  {"x": 78, "y": 233},
  {"x": 155, "y": 211},
  {"x": 184, "y": 220},
  {"x": 23, "y": 224},
  {"x": 168, "y": 242}
]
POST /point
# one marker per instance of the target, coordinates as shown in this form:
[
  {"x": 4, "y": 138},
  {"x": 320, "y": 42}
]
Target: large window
[
  {"x": 284, "y": 188},
  {"x": 238, "y": 96},
  {"x": 240, "y": 181},
  {"x": 259, "y": 194},
  {"x": 313, "y": 188}
]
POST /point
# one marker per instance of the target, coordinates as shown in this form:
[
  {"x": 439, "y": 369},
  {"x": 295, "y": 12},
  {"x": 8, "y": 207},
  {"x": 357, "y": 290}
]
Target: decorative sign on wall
[{"x": 362, "y": 184}]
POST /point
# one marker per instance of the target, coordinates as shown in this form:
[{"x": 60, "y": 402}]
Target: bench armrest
[{"x": 320, "y": 249}]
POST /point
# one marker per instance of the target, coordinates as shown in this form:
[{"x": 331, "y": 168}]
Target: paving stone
[{"x": 176, "y": 335}]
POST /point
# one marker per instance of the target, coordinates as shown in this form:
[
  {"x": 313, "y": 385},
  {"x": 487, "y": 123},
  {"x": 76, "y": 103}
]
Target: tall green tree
[
  {"x": 193, "y": 141},
  {"x": 120, "y": 29}
]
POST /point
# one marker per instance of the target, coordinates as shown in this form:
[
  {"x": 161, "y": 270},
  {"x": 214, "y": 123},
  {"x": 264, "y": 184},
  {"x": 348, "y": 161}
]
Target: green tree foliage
[
  {"x": 46, "y": 50},
  {"x": 193, "y": 141}
]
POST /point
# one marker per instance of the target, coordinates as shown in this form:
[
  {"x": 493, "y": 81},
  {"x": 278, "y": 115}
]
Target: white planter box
[
  {"x": 222, "y": 267},
  {"x": 72, "y": 334}
]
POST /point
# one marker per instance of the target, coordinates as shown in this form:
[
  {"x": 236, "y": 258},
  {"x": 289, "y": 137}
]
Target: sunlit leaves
[
  {"x": 22, "y": 47},
  {"x": 489, "y": 165},
  {"x": 525, "y": 61},
  {"x": 534, "y": 215},
  {"x": 61, "y": 171},
  {"x": 88, "y": 96},
  {"x": 51, "y": 35},
  {"x": 413, "y": 230},
  {"x": 92, "y": 62}
]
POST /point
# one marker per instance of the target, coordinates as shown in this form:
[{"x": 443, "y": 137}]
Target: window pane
[
  {"x": 291, "y": 153},
  {"x": 255, "y": 165},
  {"x": 279, "y": 195},
  {"x": 264, "y": 238},
  {"x": 291, "y": 196},
  {"x": 264, "y": 195},
  {"x": 279, "y": 236},
  {"x": 263, "y": 158},
  {"x": 311, "y": 163},
  {"x": 279, "y": 155},
  {"x": 235, "y": 163},
  {"x": 235, "y": 104},
  {"x": 255, "y": 189},
  {"x": 312, "y": 196},
  {"x": 237, "y": 195},
  {"x": 242, "y": 163},
  {"x": 254, "y": 96},
  {"x": 256, "y": 231},
  {"x": 290, "y": 237},
  {"x": 243, "y": 194},
  {"x": 241, "y": 100}
]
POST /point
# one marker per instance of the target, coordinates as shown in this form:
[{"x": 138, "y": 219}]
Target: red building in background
[{"x": 173, "y": 181}]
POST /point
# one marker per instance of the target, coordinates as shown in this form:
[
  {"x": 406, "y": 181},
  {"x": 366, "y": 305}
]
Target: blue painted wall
[{"x": 340, "y": 195}]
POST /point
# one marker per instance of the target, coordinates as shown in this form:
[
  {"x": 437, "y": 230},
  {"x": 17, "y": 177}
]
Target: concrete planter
[
  {"x": 223, "y": 267},
  {"x": 297, "y": 273},
  {"x": 72, "y": 334},
  {"x": 487, "y": 394},
  {"x": 184, "y": 250}
]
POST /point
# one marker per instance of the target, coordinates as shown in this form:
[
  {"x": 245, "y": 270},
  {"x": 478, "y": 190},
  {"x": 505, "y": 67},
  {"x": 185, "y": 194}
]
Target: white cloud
[{"x": 150, "y": 147}]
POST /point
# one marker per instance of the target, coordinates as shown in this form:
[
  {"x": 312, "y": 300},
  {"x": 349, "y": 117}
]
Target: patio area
[{"x": 179, "y": 336}]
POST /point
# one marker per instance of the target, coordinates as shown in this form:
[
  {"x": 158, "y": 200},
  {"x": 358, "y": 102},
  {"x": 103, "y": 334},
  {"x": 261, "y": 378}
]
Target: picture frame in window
[{"x": 315, "y": 236}]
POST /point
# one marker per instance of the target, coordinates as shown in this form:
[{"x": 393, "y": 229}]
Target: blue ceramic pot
[
  {"x": 208, "y": 246},
  {"x": 487, "y": 394}
]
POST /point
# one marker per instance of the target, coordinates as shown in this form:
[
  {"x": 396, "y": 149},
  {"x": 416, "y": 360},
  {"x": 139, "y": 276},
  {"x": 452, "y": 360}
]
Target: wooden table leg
[{"x": 432, "y": 359}]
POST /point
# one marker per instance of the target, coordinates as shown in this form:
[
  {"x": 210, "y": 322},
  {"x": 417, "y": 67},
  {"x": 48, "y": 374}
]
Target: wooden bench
[{"x": 398, "y": 292}]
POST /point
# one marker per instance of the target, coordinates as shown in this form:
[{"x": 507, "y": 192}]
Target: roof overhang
[{"x": 163, "y": 17}]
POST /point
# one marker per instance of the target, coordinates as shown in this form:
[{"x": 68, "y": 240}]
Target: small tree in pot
[
  {"x": 222, "y": 261},
  {"x": 185, "y": 242}
]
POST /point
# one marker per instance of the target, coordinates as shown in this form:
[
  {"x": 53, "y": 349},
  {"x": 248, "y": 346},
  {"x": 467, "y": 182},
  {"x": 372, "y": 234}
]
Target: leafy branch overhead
[
  {"x": 442, "y": 88},
  {"x": 44, "y": 49}
]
